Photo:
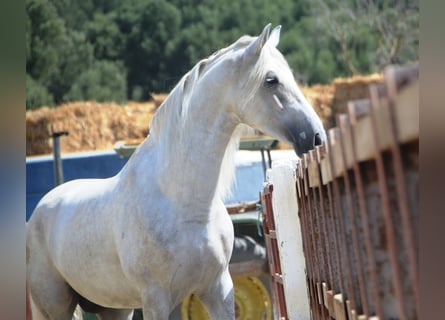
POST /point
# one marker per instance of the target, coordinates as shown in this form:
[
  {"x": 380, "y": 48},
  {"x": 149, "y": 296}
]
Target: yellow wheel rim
[{"x": 252, "y": 302}]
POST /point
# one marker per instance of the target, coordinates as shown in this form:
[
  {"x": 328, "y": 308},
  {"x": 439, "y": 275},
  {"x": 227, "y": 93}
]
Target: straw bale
[
  {"x": 348, "y": 89},
  {"x": 91, "y": 125},
  {"x": 158, "y": 99},
  {"x": 320, "y": 97}
]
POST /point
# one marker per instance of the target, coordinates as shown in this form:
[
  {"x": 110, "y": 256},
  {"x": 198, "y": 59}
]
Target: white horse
[{"x": 158, "y": 230}]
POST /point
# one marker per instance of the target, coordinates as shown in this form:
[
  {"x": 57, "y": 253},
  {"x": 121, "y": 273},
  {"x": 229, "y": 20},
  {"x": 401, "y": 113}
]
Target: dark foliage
[{"x": 118, "y": 50}]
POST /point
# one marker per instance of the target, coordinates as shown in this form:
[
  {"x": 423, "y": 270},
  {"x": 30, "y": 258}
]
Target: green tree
[
  {"x": 76, "y": 56},
  {"x": 149, "y": 28},
  {"x": 104, "y": 34},
  {"x": 75, "y": 13},
  {"x": 55, "y": 55},
  {"x": 104, "y": 81},
  {"x": 370, "y": 33},
  {"x": 44, "y": 36},
  {"x": 396, "y": 37},
  {"x": 36, "y": 94},
  {"x": 154, "y": 42}
]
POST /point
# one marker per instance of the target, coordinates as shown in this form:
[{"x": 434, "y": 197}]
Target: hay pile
[
  {"x": 91, "y": 125},
  {"x": 348, "y": 89},
  {"x": 98, "y": 126},
  {"x": 320, "y": 97},
  {"x": 330, "y": 100}
]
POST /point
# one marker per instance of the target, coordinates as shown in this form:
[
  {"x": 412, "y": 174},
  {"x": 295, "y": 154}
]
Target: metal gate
[{"x": 358, "y": 205}]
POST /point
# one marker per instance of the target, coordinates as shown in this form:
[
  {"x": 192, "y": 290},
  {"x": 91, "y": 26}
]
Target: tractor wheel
[{"x": 252, "y": 302}]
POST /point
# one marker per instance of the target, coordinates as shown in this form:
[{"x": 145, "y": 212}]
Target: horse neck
[{"x": 195, "y": 152}]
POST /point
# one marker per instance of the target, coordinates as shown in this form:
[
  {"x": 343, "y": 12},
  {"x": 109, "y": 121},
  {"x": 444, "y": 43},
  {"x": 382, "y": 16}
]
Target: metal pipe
[{"x": 58, "y": 170}]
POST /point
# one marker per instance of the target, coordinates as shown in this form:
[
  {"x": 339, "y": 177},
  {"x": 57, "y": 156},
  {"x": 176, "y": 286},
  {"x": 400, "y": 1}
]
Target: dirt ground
[{"x": 98, "y": 126}]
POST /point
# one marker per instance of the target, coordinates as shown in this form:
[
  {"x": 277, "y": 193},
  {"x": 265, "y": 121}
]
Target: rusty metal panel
[
  {"x": 273, "y": 257},
  {"x": 358, "y": 205}
]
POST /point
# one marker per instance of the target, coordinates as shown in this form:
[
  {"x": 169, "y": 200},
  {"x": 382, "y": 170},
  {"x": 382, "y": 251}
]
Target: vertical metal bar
[
  {"x": 364, "y": 216},
  {"x": 401, "y": 184},
  {"x": 317, "y": 262},
  {"x": 58, "y": 170},
  {"x": 389, "y": 233},
  {"x": 344, "y": 124},
  {"x": 336, "y": 254},
  {"x": 323, "y": 217},
  {"x": 58, "y": 173},
  {"x": 322, "y": 244},
  {"x": 308, "y": 245},
  {"x": 263, "y": 162},
  {"x": 348, "y": 286},
  {"x": 318, "y": 154},
  {"x": 269, "y": 247},
  {"x": 322, "y": 249},
  {"x": 338, "y": 286},
  {"x": 269, "y": 157},
  {"x": 302, "y": 214}
]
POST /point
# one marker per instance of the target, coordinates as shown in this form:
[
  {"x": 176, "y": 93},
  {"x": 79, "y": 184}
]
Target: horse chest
[
  {"x": 198, "y": 264},
  {"x": 209, "y": 250},
  {"x": 174, "y": 243}
]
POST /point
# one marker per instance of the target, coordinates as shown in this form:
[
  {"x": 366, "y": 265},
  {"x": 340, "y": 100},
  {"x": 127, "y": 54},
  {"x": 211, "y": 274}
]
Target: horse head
[{"x": 273, "y": 103}]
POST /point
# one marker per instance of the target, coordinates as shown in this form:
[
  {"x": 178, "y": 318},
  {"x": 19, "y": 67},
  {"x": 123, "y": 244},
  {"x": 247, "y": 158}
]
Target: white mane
[
  {"x": 226, "y": 177},
  {"x": 179, "y": 97}
]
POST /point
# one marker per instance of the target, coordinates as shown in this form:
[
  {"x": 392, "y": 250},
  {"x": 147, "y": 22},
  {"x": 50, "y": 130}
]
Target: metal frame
[{"x": 358, "y": 206}]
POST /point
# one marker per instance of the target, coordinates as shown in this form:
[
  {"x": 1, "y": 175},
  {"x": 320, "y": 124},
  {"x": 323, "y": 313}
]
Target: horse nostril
[{"x": 317, "y": 140}]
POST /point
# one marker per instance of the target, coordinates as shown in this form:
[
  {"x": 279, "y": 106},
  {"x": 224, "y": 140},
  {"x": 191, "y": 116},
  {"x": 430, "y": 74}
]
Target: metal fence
[
  {"x": 358, "y": 210},
  {"x": 358, "y": 205}
]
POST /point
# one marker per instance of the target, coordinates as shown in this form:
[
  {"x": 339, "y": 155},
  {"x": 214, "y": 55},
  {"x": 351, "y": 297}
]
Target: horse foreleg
[
  {"x": 51, "y": 298},
  {"x": 220, "y": 299}
]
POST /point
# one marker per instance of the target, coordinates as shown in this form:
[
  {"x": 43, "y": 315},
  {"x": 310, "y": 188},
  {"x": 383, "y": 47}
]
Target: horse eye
[{"x": 271, "y": 80}]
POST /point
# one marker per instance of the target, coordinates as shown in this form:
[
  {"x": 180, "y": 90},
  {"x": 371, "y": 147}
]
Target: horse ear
[
  {"x": 274, "y": 38},
  {"x": 255, "y": 47}
]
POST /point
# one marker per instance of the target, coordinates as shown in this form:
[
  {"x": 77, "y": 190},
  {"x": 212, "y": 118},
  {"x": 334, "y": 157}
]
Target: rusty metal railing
[
  {"x": 358, "y": 205},
  {"x": 273, "y": 257}
]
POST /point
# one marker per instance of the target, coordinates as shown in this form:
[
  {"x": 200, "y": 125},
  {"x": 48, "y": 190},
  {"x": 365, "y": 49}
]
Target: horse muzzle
[
  {"x": 304, "y": 132},
  {"x": 306, "y": 142}
]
